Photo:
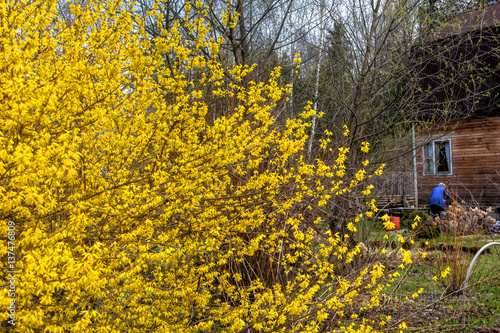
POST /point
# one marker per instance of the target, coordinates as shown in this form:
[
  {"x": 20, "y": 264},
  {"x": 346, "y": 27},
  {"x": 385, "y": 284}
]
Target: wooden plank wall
[{"x": 475, "y": 149}]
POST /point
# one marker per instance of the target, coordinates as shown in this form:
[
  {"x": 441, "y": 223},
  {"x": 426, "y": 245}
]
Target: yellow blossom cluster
[{"x": 297, "y": 60}]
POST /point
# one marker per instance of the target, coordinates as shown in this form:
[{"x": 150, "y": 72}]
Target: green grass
[{"x": 435, "y": 311}]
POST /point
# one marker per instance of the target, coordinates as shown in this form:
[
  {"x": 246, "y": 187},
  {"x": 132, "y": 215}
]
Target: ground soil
[{"x": 434, "y": 312}]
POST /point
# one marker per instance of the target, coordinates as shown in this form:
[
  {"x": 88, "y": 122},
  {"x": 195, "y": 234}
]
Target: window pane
[
  {"x": 429, "y": 160},
  {"x": 447, "y": 152},
  {"x": 442, "y": 156}
]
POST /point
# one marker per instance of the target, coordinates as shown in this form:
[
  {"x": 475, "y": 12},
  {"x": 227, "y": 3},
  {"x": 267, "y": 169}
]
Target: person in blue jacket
[{"x": 437, "y": 201}]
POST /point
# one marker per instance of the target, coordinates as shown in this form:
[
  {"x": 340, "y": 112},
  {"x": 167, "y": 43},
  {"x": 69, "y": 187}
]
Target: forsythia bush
[{"x": 151, "y": 189}]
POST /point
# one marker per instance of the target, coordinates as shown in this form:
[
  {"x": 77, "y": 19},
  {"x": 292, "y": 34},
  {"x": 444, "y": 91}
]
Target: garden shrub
[{"x": 151, "y": 189}]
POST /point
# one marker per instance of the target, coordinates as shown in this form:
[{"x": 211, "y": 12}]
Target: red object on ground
[{"x": 395, "y": 220}]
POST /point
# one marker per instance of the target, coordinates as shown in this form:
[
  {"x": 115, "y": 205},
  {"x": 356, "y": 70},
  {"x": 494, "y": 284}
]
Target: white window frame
[{"x": 425, "y": 157}]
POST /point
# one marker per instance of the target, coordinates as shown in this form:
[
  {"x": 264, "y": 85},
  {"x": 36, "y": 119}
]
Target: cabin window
[{"x": 437, "y": 157}]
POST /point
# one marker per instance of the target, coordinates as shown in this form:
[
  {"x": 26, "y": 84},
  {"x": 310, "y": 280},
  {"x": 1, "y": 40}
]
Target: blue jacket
[{"x": 437, "y": 196}]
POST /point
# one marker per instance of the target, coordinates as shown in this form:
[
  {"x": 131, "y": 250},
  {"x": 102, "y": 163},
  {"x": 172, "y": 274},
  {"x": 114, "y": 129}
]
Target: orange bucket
[{"x": 395, "y": 220}]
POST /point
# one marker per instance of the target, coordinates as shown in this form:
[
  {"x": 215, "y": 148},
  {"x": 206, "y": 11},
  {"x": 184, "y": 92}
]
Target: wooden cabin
[
  {"x": 457, "y": 133},
  {"x": 465, "y": 155}
]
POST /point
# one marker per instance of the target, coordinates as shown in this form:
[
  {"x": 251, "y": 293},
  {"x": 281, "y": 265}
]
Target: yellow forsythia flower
[
  {"x": 407, "y": 257},
  {"x": 346, "y": 131},
  {"x": 445, "y": 272},
  {"x": 365, "y": 147},
  {"x": 297, "y": 60}
]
